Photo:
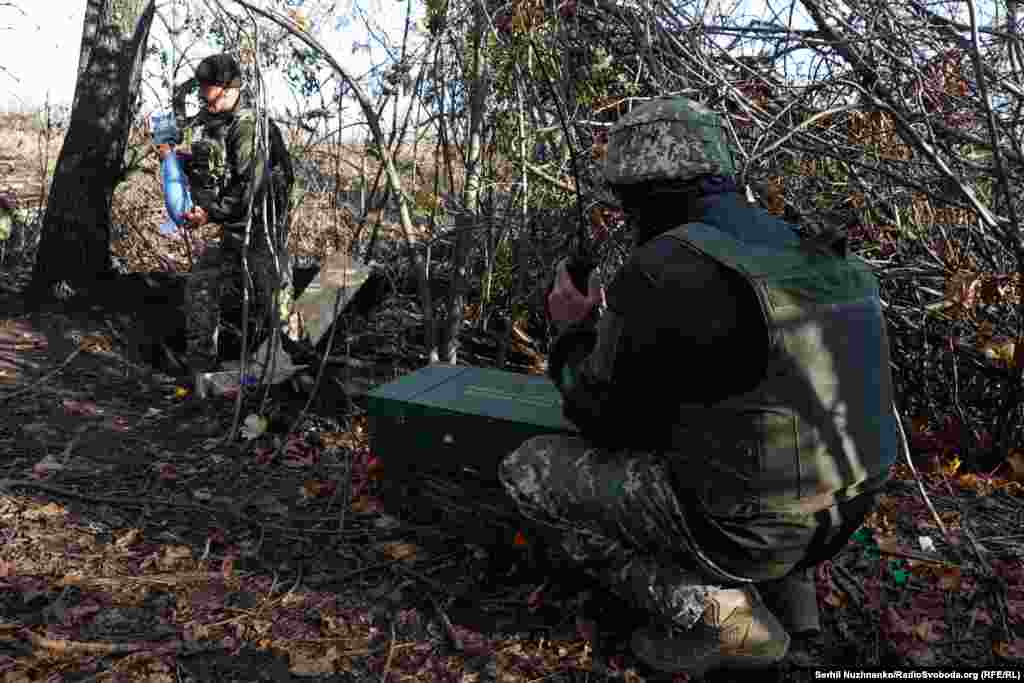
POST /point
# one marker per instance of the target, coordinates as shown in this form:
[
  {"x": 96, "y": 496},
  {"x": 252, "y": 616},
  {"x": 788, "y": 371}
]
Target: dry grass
[{"x": 320, "y": 226}]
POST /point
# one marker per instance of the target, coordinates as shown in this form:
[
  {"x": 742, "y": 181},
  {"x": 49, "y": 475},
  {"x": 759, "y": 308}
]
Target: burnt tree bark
[{"x": 74, "y": 250}]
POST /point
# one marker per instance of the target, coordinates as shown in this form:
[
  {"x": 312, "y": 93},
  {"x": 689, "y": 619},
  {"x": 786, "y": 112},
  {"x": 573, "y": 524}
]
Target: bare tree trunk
[
  {"x": 75, "y": 245},
  {"x": 470, "y": 195}
]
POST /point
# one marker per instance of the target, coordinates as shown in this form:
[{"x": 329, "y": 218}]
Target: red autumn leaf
[
  {"x": 367, "y": 505},
  {"x": 297, "y": 453},
  {"x": 263, "y": 455},
  {"x": 227, "y": 567},
  {"x": 950, "y": 579},
  {"x": 536, "y": 597},
  {"x": 929, "y": 604},
  {"x": 980, "y": 615},
  {"x": 74, "y": 615},
  {"x": 1015, "y": 611},
  {"x": 894, "y": 625},
  {"x": 166, "y": 471},
  {"x": 470, "y": 642},
  {"x": 586, "y": 629},
  {"x": 80, "y": 408},
  {"x": 374, "y": 468},
  {"x": 1011, "y": 570},
  {"x": 119, "y": 424}
]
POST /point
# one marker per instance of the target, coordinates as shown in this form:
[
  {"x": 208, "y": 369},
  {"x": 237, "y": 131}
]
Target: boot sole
[{"x": 714, "y": 662}]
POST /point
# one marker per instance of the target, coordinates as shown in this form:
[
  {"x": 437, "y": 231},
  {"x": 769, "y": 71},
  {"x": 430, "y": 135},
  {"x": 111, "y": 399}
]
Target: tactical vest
[
  {"x": 208, "y": 171},
  {"x": 820, "y": 427}
]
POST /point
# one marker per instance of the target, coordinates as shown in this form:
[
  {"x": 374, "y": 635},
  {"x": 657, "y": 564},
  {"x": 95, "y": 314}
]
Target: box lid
[{"x": 482, "y": 392}]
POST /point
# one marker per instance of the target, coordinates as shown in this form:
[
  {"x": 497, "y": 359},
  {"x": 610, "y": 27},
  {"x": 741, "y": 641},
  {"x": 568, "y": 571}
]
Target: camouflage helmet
[{"x": 668, "y": 138}]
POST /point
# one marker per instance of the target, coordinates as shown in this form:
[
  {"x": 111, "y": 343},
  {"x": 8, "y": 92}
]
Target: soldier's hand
[
  {"x": 566, "y": 304},
  {"x": 197, "y": 217}
]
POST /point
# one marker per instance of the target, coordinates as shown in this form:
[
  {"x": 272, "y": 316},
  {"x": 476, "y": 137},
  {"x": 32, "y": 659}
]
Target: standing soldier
[
  {"x": 734, "y": 402},
  {"x": 228, "y": 170}
]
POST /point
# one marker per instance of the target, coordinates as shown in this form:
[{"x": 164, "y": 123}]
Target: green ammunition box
[{"x": 441, "y": 431}]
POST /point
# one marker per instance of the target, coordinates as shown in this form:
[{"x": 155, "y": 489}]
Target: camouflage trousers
[
  {"x": 615, "y": 516},
  {"x": 214, "y": 298}
]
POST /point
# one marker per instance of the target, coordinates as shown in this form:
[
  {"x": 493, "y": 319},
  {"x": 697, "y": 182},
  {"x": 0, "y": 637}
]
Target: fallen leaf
[
  {"x": 894, "y": 624},
  {"x": 299, "y": 459},
  {"x": 1013, "y": 649},
  {"x": 586, "y": 629},
  {"x": 130, "y": 538},
  {"x": 227, "y": 567},
  {"x": 1016, "y": 462},
  {"x": 928, "y": 631},
  {"x": 980, "y": 615},
  {"x": 119, "y": 424},
  {"x": 313, "y": 488},
  {"x": 374, "y": 468},
  {"x": 1000, "y": 349},
  {"x": 254, "y": 426},
  {"x": 80, "y": 408},
  {"x": 47, "y": 466},
  {"x": 1015, "y": 611},
  {"x": 836, "y": 599},
  {"x": 180, "y": 392},
  {"x": 467, "y": 641},
  {"x": 367, "y": 505},
  {"x": 536, "y": 597},
  {"x": 951, "y": 466},
  {"x": 175, "y": 557},
  {"x": 397, "y": 550},
  {"x": 167, "y": 471},
  {"x": 263, "y": 455},
  {"x": 309, "y": 662},
  {"x": 48, "y": 510},
  {"x": 950, "y": 579},
  {"x": 962, "y": 290}
]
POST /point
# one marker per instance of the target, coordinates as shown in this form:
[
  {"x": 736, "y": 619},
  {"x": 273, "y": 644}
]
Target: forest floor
[{"x": 140, "y": 544}]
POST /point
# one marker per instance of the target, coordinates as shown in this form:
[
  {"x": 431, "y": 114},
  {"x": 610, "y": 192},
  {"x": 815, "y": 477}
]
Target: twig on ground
[
  {"x": 44, "y": 378},
  {"x": 917, "y": 477},
  {"x": 75, "y": 647},
  {"x": 847, "y": 583},
  {"x": 391, "y": 655}
]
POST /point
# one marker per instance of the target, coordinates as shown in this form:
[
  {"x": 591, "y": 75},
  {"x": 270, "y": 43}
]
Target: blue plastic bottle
[{"x": 176, "y": 194}]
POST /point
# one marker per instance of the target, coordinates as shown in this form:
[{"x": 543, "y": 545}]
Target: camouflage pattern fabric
[
  {"x": 668, "y": 138},
  {"x": 213, "y": 295},
  {"x": 615, "y": 516}
]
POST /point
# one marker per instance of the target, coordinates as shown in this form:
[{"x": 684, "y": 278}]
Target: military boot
[
  {"x": 795, "y": 601},
  {"x": 737, "y": 631}
]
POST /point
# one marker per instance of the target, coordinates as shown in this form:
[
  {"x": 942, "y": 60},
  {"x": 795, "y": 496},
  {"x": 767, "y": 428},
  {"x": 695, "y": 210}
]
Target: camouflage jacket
[
  {"x": 760, "y": 361},
  {"x": 638, "y": 362},
  {"x": 227, "y": 169}
]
